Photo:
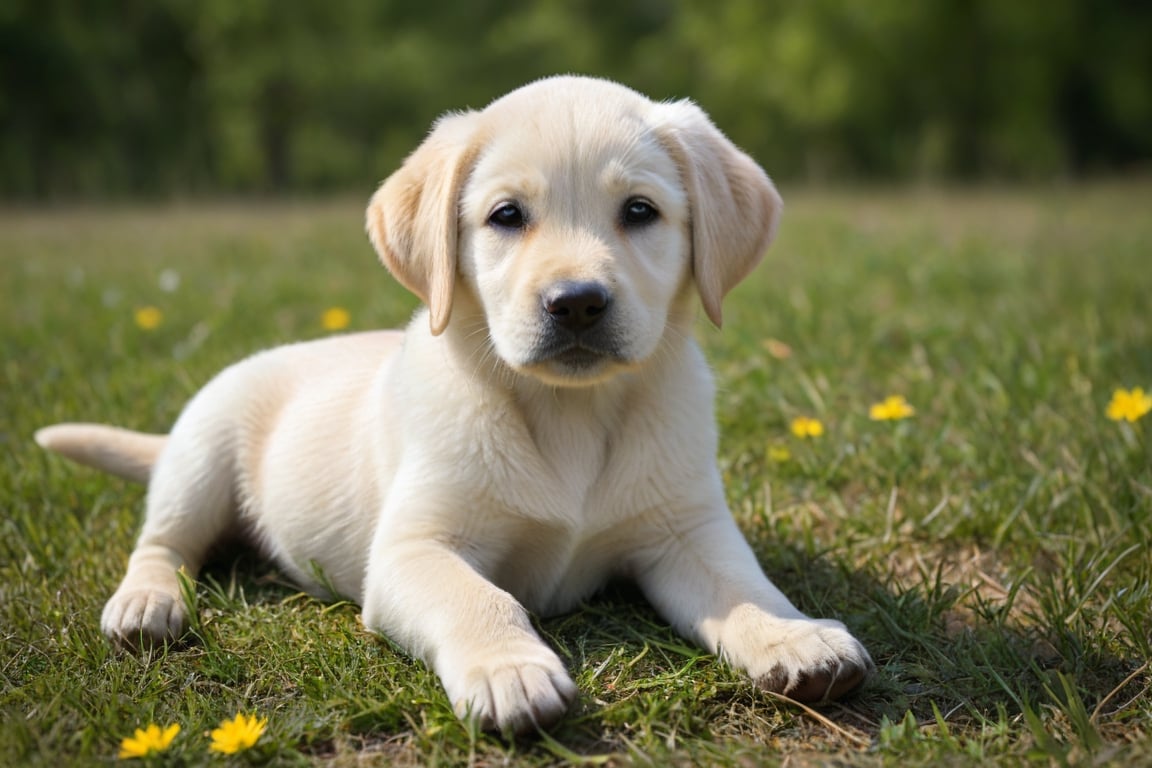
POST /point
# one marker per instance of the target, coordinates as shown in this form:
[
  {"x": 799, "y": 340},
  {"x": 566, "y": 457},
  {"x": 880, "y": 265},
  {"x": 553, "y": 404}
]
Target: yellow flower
[
  {"x": 892, "y": 408},
  {"x": 1129, "y": 405},
  {"x": 148, "y": 318},
  {"x": 779, "y": 454},
  {"x": 802, "y": 426},
  {"x": 237, "y": 735},
  {"x": 335, "y": 319},
  {"x": 147, "y": 741}
]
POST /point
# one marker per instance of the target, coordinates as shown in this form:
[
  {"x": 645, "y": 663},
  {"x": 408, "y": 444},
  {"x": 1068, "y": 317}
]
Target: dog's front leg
[
  {"x": 703, "y": 577},
  {"x": 477, "y": 637}
]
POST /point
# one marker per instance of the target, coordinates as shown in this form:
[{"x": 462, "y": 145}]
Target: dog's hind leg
[{"x": 191, "y": 506}]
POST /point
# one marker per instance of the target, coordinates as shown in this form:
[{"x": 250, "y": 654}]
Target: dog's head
[{"x": 576, "y": 214}]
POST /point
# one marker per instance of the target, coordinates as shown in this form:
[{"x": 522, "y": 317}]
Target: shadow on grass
[
  {"x": 955, "y": 672},
  {"x": 960, "y": 665}
]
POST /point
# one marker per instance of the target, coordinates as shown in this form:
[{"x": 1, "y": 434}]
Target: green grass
[{"x": 992, "y": 551}]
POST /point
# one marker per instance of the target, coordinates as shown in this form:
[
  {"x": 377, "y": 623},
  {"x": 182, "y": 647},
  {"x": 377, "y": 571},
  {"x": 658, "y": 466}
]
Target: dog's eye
[
  {"x": 638, "y": 211},
  {"x": 507, "y": 216}
]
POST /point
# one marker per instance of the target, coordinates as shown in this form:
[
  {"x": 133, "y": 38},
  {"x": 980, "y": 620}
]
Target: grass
[{"x": 992, "y": 551}]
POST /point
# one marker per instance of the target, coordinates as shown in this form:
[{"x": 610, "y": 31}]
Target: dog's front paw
[
  {"x": 144, "y": 617},
  {"x": 513, "y": 690},
  {"x": 809, "y": 660}
]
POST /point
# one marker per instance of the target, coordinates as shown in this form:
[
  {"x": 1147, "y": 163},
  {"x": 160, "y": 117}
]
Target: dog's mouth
[
  {"x": 580, "y": 358},
  {"x": 575, "y": 363}
]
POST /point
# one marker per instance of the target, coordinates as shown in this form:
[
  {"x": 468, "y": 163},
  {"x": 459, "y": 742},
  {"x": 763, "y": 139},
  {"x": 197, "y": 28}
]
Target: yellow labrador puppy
[{"x": 543, "y": 424}]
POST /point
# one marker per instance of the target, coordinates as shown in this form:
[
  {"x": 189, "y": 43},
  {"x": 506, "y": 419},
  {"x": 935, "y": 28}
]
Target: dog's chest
[
  {"x": 576, "y": 451},
  {"x": 579, "y": 507}
]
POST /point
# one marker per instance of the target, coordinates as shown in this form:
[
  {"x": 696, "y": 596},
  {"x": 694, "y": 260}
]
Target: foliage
[
  {"x": 990, "y": 548},
  {"x": 168, "y": 97}
]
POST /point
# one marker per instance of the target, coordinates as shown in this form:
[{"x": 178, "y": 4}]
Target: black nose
[{"x": 576, "y": 305}]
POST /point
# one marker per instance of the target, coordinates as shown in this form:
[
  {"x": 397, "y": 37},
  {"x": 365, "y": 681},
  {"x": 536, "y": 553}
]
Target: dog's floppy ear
[
  {"x": 412, "y": 219},
  {"x": 733, "y": 205}
]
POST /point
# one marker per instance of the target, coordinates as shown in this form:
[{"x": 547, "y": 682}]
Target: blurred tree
[
  {"x": 94, "y": 99},
  {"x": 146, "y": 97}
]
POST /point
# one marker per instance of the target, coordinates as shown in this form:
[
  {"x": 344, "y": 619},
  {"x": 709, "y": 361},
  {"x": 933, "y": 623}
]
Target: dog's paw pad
[
  {"x": 808, "y": 660},
  {"x": 144, "y": 618},
  {"x": 813, "y": 685},
  {"x": 516, "y": 698}
]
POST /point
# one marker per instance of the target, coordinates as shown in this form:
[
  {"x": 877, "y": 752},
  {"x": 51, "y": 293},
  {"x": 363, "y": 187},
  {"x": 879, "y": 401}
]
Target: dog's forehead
[
  {"x": 578, "y": 97},
  {"x": 570, "y": 116},
  {"x": 572, "y": 131}
]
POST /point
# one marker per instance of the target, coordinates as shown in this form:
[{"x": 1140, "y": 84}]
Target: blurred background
[{"x": 197, "y": 98}]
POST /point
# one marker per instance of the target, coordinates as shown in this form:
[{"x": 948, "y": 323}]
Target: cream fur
[{"x": 459, "y": 475}]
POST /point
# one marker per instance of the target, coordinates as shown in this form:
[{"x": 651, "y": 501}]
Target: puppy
[{"x": 543, "y": 424}]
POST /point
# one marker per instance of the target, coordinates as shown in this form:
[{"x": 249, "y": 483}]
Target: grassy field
[{"x": 992, "y": 550}]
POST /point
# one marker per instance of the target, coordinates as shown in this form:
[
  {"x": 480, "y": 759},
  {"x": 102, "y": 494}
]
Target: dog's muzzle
[{"x": 577, "y": 333}]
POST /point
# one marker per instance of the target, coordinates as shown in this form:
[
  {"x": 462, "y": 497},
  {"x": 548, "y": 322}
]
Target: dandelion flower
[
  {"x": 237, "y": 735},
  {"x": 892, "y": 408},
  {"x": 802, "y": 426},
  {"x": 1129, "y": 405},
  {"x": 148, "y": 741},
  {"x": 148, "y": 318},
  {"x": 335, "y": 319}
]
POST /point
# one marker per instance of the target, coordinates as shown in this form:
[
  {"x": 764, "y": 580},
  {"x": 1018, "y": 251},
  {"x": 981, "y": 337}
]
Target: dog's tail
[{"x": 120, "y": 452}]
